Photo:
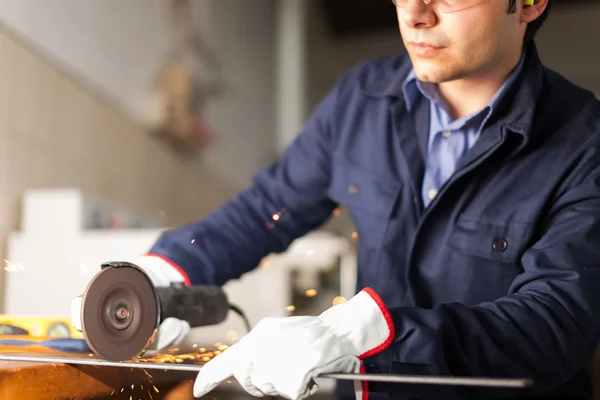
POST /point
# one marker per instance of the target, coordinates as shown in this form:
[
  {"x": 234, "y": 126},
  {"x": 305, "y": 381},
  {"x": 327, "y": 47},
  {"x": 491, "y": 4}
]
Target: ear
[{"x": 532, "y": 9}]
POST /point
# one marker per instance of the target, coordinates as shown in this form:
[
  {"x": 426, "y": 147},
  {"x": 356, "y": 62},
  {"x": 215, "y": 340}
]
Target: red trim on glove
[
  {"x": 186, "y": 278},
  {"x": 388, "y": 320},
  {"x": 364, "y": 385}
]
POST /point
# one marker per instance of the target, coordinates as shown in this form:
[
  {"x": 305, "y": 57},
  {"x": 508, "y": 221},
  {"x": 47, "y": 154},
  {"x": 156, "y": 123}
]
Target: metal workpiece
[{"x": 389, "y": 378}]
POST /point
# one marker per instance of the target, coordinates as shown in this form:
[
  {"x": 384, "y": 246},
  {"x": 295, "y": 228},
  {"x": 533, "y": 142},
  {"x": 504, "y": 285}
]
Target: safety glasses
[
  {"x": 448, "y": 6},
  {"x": 444, "y": 6}
]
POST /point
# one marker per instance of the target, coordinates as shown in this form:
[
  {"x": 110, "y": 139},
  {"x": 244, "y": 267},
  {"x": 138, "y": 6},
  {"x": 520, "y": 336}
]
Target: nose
[{"x": 417, "y": 14}]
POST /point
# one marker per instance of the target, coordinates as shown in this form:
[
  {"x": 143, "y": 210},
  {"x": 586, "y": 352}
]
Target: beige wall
[
  {"x": 244, "y": 118},
  {"x": 55, "y": 132},
  {"x": 118, "y": 47}
]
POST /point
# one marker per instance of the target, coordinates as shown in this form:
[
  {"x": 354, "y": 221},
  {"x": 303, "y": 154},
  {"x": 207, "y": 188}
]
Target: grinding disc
[{"x": 120, "y": 313}]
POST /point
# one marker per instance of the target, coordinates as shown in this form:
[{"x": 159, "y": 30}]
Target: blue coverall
[{"x": 499, "y": 276}]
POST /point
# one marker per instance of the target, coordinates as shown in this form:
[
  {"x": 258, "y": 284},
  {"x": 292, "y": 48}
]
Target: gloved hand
[
  {"x": 283, "y": 356},
  {"x": 172, "y": 330}
]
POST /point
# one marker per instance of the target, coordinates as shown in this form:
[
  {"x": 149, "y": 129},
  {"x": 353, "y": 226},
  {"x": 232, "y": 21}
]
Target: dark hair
[{"x": 533, "y": 26}]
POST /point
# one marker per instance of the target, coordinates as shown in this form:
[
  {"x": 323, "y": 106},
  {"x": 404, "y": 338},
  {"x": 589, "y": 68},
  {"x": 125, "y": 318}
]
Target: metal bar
[
  {"x": 100, "y": 362},
  {"x": 435, "y": 380},
  {"x": 390, "y": 378}
]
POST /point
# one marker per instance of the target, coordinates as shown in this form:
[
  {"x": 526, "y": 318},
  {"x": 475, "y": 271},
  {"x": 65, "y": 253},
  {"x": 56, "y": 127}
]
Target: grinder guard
[
  {"x": 121, "y": 309},
  {"x": 120, "y": 312}
]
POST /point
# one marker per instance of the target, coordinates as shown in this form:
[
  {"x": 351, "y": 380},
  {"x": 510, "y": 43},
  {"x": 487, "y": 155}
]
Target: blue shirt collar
[{"x": 412, "y": 88}]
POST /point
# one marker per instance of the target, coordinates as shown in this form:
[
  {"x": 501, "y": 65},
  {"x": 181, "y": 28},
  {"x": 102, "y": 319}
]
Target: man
[{"x": 472, "y": 174}]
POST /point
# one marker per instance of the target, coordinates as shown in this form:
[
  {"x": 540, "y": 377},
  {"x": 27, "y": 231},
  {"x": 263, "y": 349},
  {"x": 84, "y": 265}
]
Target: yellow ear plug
[{"x": 529, "y": 2}]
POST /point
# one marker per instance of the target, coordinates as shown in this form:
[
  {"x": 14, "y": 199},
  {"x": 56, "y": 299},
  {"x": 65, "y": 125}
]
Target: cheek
[{"x": 470, "y": 39}]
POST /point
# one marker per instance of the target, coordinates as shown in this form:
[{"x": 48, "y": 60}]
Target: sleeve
[
  {"x": 284, "y": 201},
  {"x": 547, "y": 328}
]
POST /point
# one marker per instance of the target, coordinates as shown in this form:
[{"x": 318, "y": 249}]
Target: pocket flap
[
  {"x": 355, "y": 187},
  {"x": 495, "y": 240}
]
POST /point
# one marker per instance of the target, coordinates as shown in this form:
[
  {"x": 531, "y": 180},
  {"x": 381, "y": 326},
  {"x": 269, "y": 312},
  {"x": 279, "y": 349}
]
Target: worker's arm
[
  {"x": 546, "y": 328},
  {"x": 284, "y": 201}
]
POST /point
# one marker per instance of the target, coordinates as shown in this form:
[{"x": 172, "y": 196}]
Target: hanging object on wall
[{"x": 190, "y": 79}]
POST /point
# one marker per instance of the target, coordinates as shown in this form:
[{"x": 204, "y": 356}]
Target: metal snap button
[
  {"x": 432, "y": 193},
  {"x": 353, "y": 190},
  {"x": 500, "y": 245},
  {"x": 371, "y": 369}
]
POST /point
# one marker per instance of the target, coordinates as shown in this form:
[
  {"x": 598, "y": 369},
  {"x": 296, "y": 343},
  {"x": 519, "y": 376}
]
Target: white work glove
[
  {"x": 283, "y": 356},
  {"x": 171, "y": 331}
]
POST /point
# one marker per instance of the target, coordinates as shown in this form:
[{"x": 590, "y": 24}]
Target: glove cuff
[
  {"x": 365, "y": 321},
  {"x": 162, "y": 271}
]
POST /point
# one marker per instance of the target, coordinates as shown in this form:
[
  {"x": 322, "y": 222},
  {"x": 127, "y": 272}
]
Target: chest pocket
[
  {"x": 501, "y": 241},
  {"x": 485, "y": 257},
  {"x": 370, "y": 199}
]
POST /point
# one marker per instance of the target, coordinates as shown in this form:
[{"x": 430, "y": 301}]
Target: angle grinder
[{"x": 121, "y": 309}]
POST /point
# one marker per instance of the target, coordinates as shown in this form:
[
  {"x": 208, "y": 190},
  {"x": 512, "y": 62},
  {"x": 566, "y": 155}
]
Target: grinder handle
[{"x": 199, "y": 305}]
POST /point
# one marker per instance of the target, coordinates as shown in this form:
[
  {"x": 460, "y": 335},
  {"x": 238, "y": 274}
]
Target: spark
[
  {"x": 91, "y": 355},
  {"x": 147, "y": 375},
  {"x": 310, "y": 293},
  {"x": 275, "y": 217},
  {"x": 178, "y": 358},
  {"x": 193, "y": 241},
  {"x": 155, "y": 388},
  {"x": 354, "y": 235},
  {"x": 264, "y": 263},
  {"x": 336, "y": 212},
  {"x": 11, "y": 266},
  {"x": 338, "y": 300},
  {"x": 290, "y": 308},
  {"x": 194, "y": 345}
]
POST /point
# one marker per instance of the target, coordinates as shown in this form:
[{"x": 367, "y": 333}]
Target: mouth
[{"x": 423, "y": 49}]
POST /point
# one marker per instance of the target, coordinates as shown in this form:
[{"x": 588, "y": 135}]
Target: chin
[
  {"x": 435, "y": 72},
  {"x": 432, "y": 74}
]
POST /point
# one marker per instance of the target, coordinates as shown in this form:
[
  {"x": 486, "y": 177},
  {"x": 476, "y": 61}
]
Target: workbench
[
  {"x": 59, "y": 381},
  {"x": 47, "y": 381}
]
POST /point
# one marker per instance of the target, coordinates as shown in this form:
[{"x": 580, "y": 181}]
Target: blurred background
[{"x": 119, "y": 119}]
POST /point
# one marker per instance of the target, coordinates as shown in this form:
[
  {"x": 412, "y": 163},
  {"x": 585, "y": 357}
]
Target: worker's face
[{"x": 473, "y": 41}]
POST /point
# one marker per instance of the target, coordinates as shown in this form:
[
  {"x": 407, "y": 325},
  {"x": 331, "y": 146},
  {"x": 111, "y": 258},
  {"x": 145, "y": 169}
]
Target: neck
[{"x": 470, "y": 94}]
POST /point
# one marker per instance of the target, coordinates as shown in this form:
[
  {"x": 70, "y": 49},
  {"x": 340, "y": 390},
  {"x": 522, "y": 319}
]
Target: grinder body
[
  {"x": 121, "y": 309},
  {"x": 199, "y": 305}
]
